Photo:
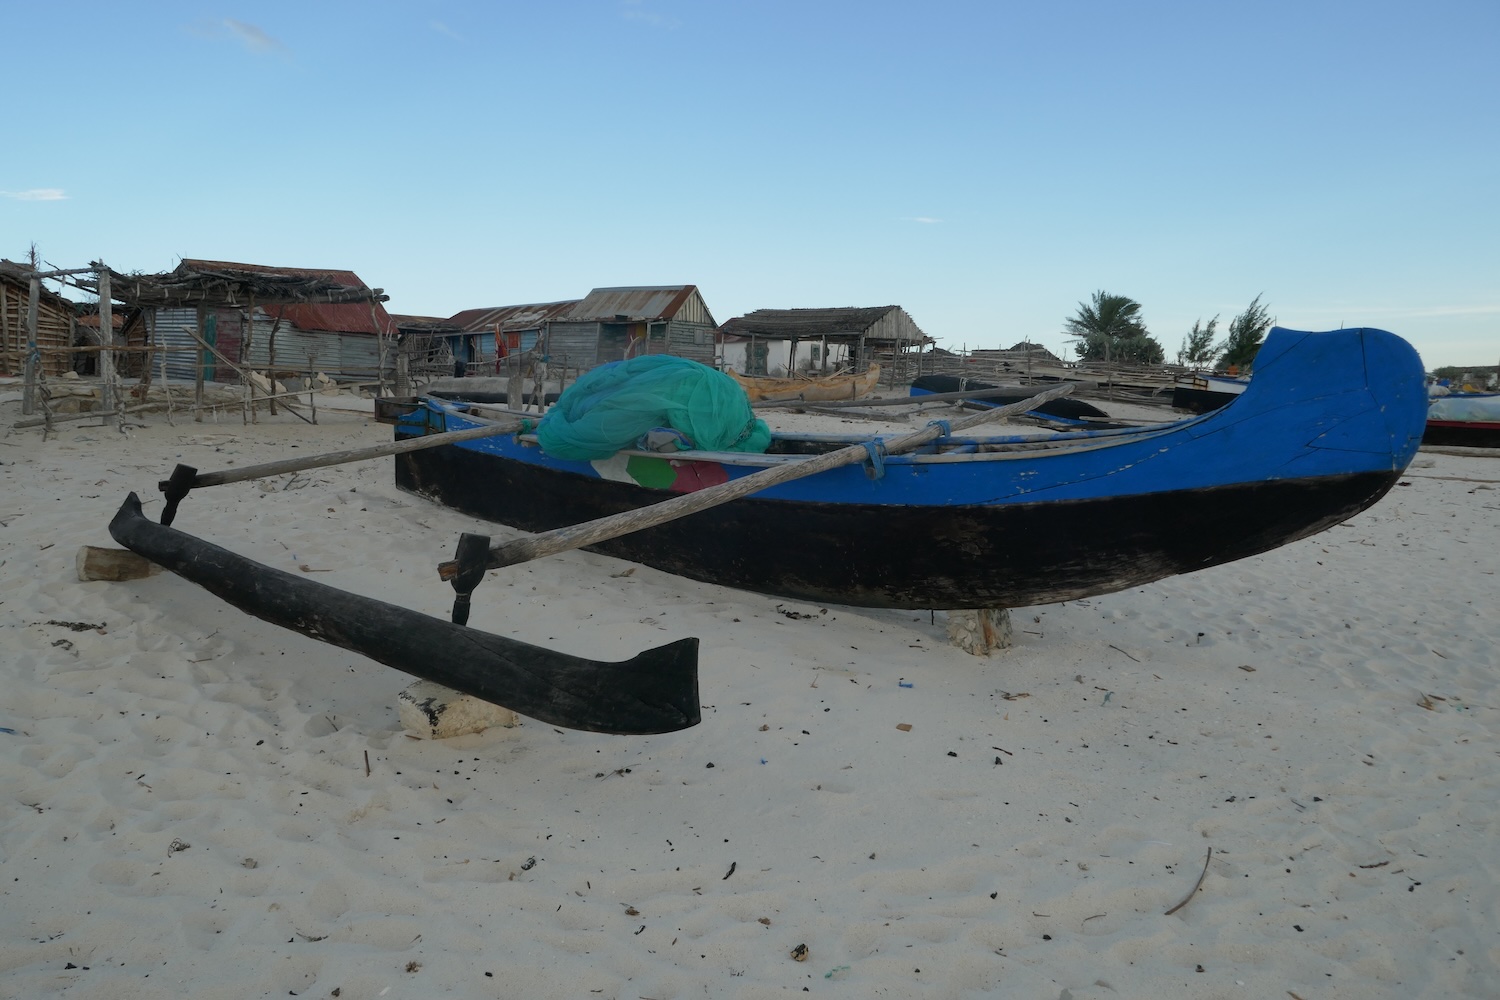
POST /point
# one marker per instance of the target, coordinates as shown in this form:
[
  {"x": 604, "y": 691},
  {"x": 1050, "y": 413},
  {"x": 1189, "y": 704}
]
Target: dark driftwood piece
[
  {"x": 655, "y": 691},
  {"x": 591, "y": 532},
  {"x": 1196, "y": 885}
]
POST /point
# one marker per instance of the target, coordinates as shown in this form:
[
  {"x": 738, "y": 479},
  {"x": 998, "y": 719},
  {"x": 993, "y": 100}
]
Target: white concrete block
[{"x": 435, "y": 712}]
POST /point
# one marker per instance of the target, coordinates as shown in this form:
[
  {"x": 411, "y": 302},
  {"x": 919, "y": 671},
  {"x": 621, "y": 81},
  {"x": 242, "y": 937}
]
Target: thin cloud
[
  {"x": 252, "y": 37},
  {"x": 227, "y": 28},
  {"x": 925, "y": 220},
  {"x": 443, "y": 29},
  {"x": 631, "y": 10},
  {"x": 37, "y": 194}
]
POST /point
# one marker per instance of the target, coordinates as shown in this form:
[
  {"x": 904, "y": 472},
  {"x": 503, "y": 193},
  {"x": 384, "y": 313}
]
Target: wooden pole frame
[
  {"x": 108, "y": 389},
  {"x": 33, "y": 359},
  {"x": 244, "y": 373},
  {"x": 4, "y": 324},
  {"x": 198, "y": 368}
]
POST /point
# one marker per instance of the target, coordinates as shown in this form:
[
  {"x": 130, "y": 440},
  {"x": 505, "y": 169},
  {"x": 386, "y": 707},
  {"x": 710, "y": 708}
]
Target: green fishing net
[{"x": 616, "y": 405}]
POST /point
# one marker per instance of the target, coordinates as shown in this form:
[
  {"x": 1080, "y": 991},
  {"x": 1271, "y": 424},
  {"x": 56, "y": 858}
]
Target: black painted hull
[
  {"x": 1462, "y": 434},
  {"x": 654, "y": 692},
  {"x": 1200, "y": 400},
  {"x": 1009, "y": 555}
]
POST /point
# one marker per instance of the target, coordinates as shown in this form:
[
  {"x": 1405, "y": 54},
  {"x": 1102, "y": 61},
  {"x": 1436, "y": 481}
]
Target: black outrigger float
[{"x": 655, "y": 691}]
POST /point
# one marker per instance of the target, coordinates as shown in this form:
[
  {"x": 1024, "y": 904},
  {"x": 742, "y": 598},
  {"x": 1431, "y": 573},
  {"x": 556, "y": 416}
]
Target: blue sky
[{"x": 987, "y": 166}]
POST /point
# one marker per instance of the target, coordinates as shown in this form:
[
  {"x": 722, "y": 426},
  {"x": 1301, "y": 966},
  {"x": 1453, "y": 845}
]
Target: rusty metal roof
[
  {"x": 632, "y": 304},
  {"x": 336, "y": 317},
  {"x": 523, "y": 317}
]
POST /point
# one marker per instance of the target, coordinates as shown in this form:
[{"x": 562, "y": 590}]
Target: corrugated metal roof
[
  {"x": 523, "y": 317},
  {"x": 345, "y": 317},
  {"x": 634, "y": 303},
  {"x": 800, "y": 323}
]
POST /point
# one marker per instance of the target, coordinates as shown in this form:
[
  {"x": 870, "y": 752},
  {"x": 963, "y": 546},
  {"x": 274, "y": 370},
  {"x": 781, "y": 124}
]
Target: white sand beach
[{"x": 186, "y": 809}]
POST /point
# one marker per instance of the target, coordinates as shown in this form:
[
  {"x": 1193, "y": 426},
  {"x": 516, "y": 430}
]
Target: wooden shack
[
  {"x": 486, "y": 337},
  {"x": 283, "y": 319},
  {"x": 55, "y": 323},
  {"x": 781, "y": 341},
  {"x": 610, "y": 324}
]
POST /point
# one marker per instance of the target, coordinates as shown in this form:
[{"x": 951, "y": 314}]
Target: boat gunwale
[{"x": 985, "y": 449}]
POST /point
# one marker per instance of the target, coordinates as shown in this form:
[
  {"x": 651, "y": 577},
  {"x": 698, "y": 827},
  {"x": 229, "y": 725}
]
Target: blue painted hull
[{"x": 1325, "y": 428}]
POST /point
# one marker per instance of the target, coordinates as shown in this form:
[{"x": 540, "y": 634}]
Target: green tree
[
  {"x": 1246, "y": 331},
  {"x": 1199, "y": 349},
  {"x": 1111, "y": 329}
]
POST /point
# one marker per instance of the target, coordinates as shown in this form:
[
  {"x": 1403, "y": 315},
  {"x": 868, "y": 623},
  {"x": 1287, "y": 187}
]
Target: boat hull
[
  {"x": 868, "y": 555},
  {"x": 760, "y": 389},
  {"x": 1205, "y": 393},
  {"x": 1470, "y": 419},
  {"x": 1323, "y": 431},
  {"x": 1463, "y": 433}
]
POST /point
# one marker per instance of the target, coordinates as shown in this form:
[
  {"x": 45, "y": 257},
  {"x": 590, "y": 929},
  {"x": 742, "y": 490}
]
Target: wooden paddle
[
  {"x": 186, "y": 478},
  {"x": 577, "y": 536}
]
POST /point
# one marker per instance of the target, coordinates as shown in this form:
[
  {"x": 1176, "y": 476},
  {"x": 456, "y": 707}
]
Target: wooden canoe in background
[
  {"x": 761, "y": 389},
  {"x": 1464, "y": 418}
]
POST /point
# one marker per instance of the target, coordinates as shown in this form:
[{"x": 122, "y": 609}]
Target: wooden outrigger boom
[{"x": 655, "y": 691}]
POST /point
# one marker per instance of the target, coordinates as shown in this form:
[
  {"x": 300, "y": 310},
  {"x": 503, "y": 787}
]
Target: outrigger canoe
[
  {"x": 1323, "y": 431},
  {"x": 761, "y": 389}
]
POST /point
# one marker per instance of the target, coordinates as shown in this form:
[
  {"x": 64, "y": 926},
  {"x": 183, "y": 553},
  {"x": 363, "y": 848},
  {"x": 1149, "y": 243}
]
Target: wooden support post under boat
[
  {"x": 592, "y": 532},
  {"x": 981, "y": 631},
  {"x": 186, "y": 478},
  {"x": 98, "y": 563},
  {"x": 655, "y": 691}
]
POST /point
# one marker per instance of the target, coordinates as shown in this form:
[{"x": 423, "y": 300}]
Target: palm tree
[{"x": 1111, "y": 329}]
